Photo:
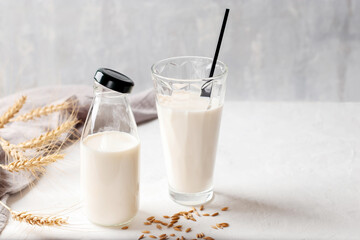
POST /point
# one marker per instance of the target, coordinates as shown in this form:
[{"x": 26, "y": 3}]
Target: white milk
[
  {"x": 189, "y": 135},
  {"x": 110, "y": 177}
]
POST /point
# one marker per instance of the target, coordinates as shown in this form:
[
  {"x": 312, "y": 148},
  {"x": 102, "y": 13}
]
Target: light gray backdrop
[{"x": 275, "y": 50}]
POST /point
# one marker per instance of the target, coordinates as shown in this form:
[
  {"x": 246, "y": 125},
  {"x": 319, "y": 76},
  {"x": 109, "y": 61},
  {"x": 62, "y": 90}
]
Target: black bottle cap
[{"x": 114, "y": 80}]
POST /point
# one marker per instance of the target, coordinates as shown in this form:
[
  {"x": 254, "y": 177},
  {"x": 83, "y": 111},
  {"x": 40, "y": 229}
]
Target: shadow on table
[
  {"x": 243, "y": 206},
  {"x": 136, "y": 224}
]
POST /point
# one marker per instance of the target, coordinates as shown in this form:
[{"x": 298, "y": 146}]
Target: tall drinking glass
[{"x": 189, "y": 106}]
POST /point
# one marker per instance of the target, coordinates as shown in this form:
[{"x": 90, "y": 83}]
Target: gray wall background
[{"x": 280, "y": 50}]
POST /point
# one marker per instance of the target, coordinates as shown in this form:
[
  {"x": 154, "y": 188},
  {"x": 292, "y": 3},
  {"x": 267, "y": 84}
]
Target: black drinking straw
[{"x": 205, "y": 93}]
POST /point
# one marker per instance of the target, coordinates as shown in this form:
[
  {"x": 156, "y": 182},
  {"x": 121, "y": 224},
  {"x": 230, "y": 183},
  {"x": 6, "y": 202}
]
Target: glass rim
[{"x": 221, "y": 75}]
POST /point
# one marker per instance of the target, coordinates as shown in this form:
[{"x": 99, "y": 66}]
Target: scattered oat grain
[
  {"x": 196, "y": 212},
  {"x": 152, "y": 236},
  {"x": 214, "y": 214},
  {"x": 224, "y": 224},
  {"x": 124, "y": 228},
  {"x": 200, "y": 235},
  {"x": 141, "y": 237},
  {"x": 145, "y": 231},
  {"x": 206, "y": 214},
  {"x": 224, "y": 209},
  {"x": 163, "y": 236},
  {"x": 188, "y": 230}
]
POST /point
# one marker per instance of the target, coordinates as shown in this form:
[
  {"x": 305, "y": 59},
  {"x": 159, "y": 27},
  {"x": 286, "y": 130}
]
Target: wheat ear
[
  {"x": 10, "y": 113},
  {"x": 42, "y": 111},
  {"x": 48, "y": 137},
  {"x": 33, "y": 164},
  {"x": 36, "y": 219},
  {"x": 12, "y": 150}
]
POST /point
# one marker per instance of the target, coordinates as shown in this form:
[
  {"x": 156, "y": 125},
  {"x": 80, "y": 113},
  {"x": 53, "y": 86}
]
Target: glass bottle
[{"x": 110, "y": 151}]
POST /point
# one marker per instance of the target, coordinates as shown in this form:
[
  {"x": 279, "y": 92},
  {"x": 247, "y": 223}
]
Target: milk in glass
[
  {"x": 111, "y": 177},
  {"x": 190, "y": 127}
]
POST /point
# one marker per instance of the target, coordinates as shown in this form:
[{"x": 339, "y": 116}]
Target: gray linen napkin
[{"x": 142, "y": 105}]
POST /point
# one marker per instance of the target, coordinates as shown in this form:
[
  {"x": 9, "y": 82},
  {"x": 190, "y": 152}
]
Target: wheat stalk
[
  {"x": 42, "y": 111},
  {"x": 10, "y": 113},
  {"x": 33, "y": 164},
  {"x": 44, "y": 139},
  {"x": 36, "y": 219}
]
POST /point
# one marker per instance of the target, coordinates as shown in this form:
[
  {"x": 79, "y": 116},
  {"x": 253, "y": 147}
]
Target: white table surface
[{"x": 285, "y": 170}]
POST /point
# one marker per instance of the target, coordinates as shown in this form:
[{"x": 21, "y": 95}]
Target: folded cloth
[{"x": 142, "y": 105}]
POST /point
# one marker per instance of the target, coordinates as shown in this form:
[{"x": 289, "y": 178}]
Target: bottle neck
[{"x": 104, "y": 92}]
